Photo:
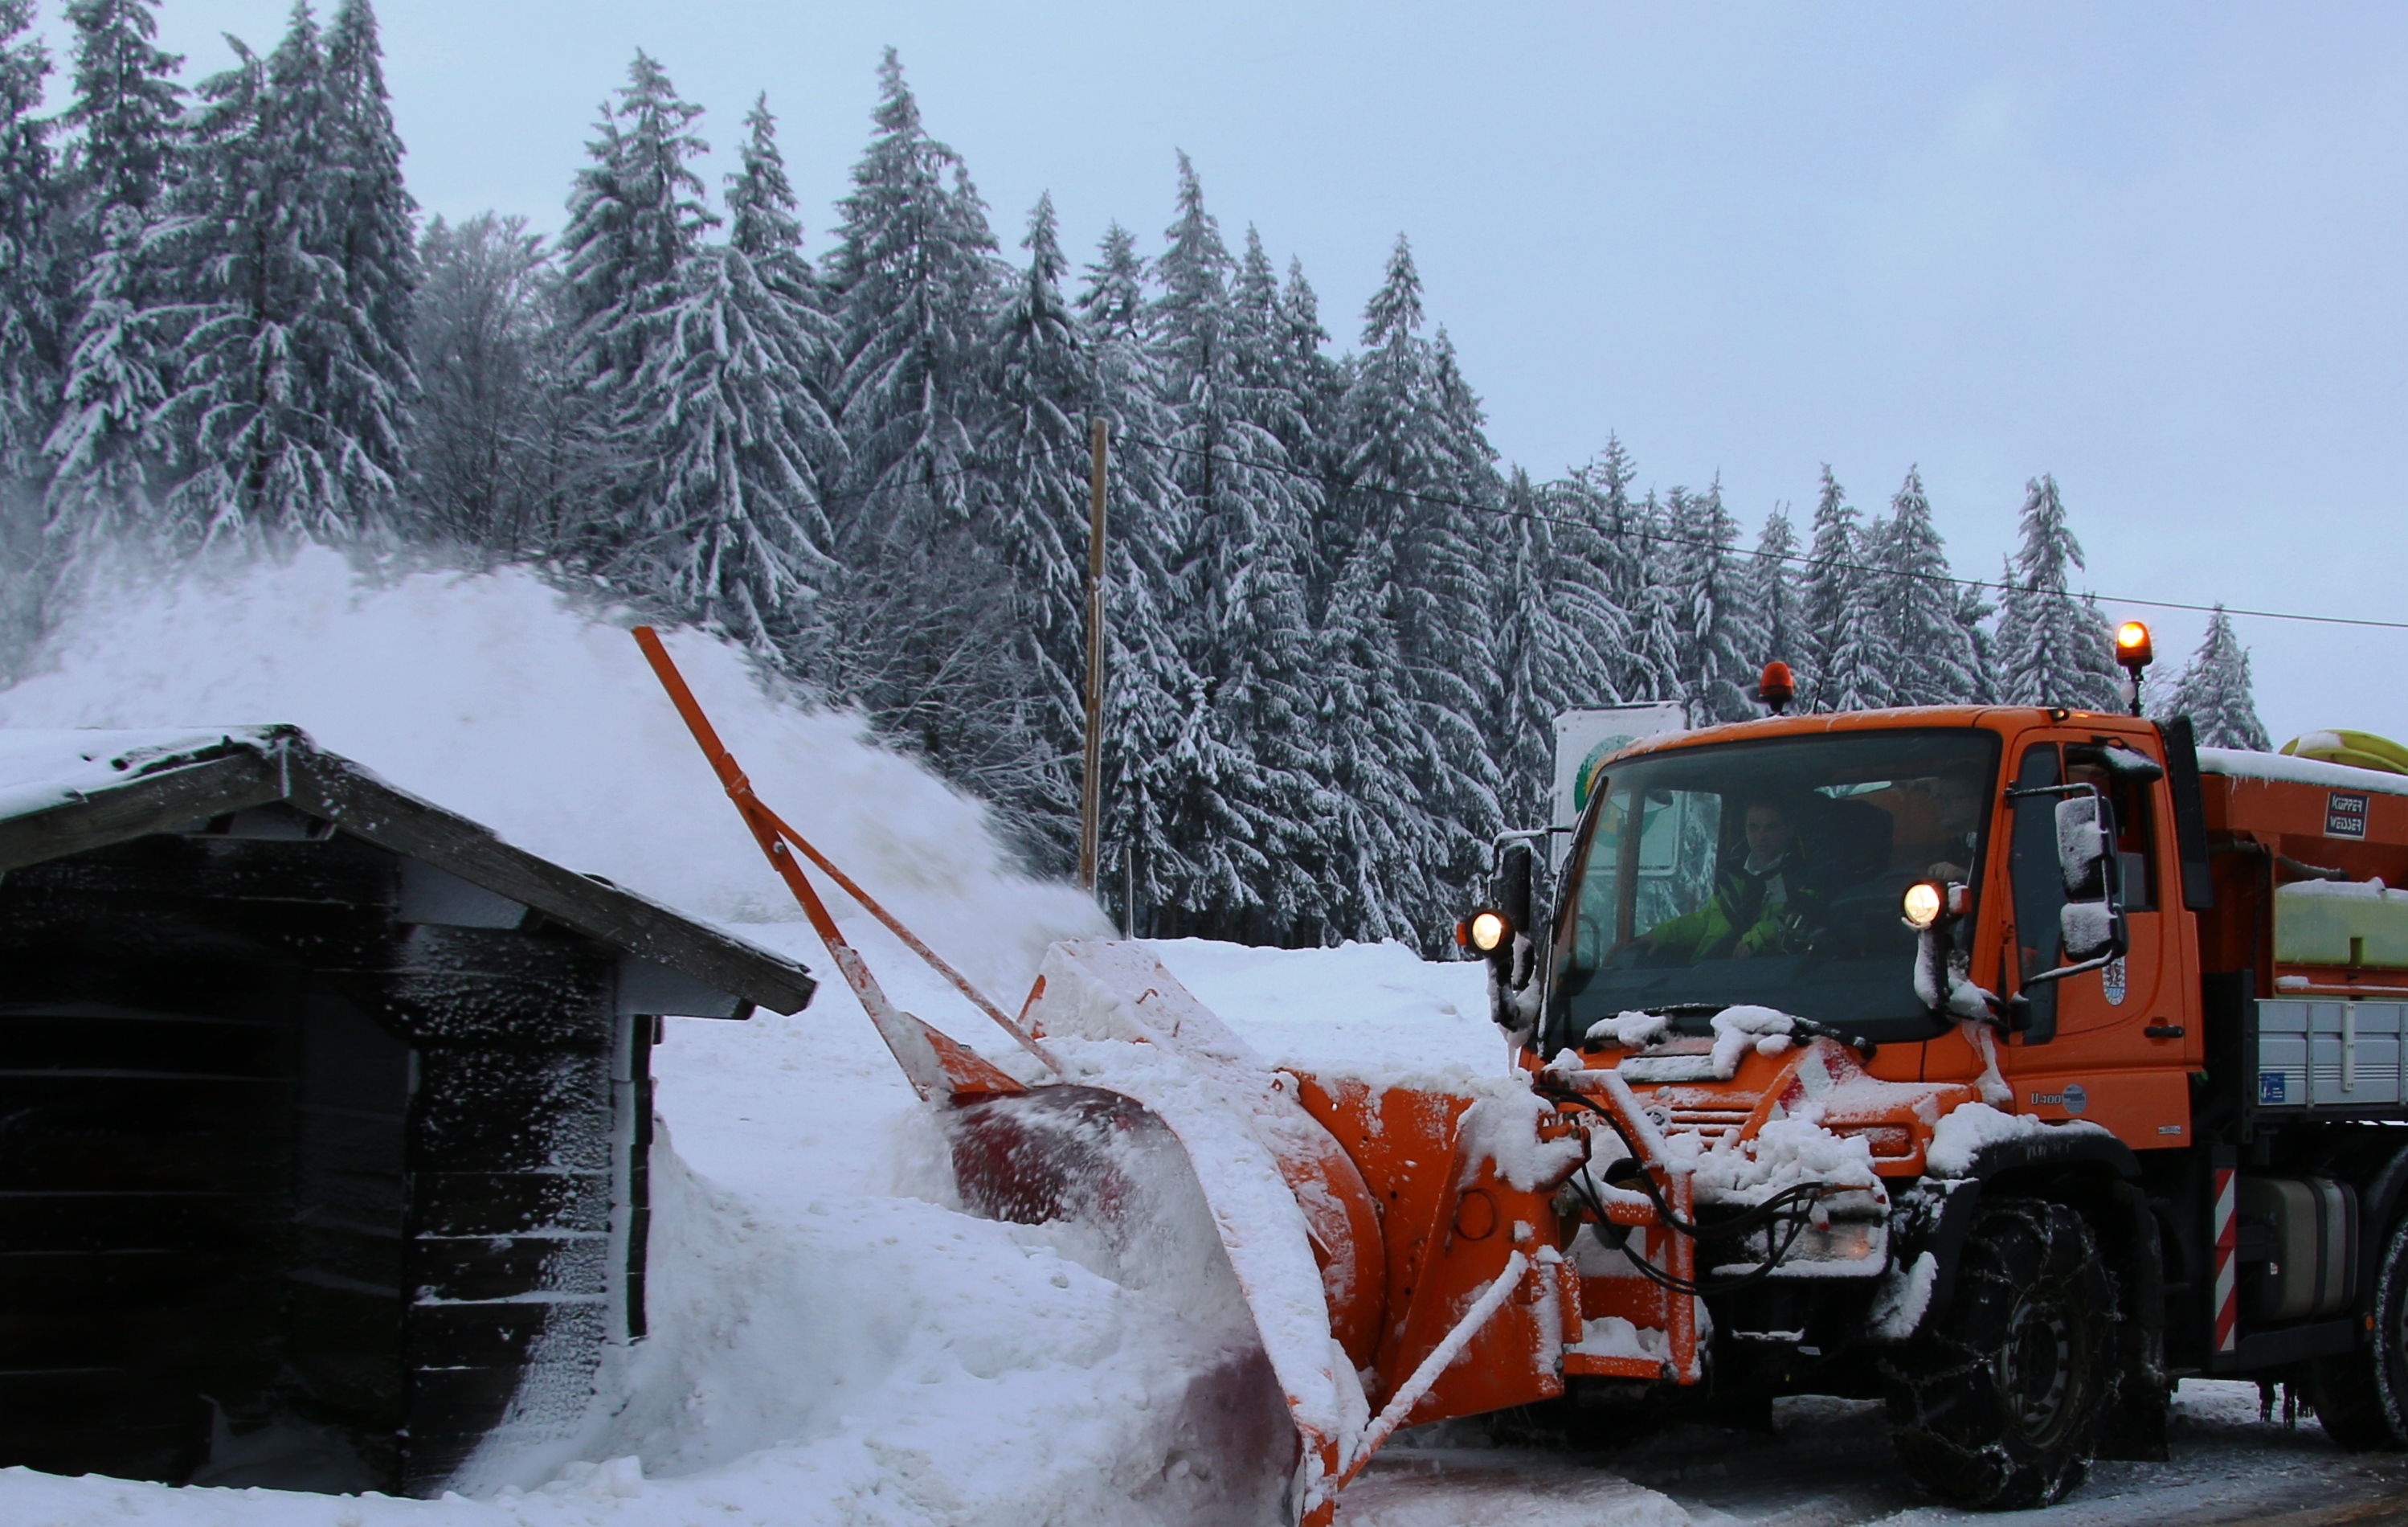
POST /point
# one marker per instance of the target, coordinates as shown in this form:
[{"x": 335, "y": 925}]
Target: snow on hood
[{"x": 1737, "y": 1029}]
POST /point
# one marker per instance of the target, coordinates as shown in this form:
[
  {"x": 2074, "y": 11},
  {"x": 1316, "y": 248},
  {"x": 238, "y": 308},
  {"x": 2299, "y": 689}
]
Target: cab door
[{"x": 2087, "y": 1052}]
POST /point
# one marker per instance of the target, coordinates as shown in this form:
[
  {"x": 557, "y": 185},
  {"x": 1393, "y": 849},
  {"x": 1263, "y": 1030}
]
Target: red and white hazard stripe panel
[{"x": 2228, "y": 1241}]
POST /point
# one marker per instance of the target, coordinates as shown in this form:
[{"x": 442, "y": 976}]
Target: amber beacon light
[
  {"x": 2133, "y": 651},
  {"x": 1776, "y": 688},
  {"x": 2133, "y": 647}
]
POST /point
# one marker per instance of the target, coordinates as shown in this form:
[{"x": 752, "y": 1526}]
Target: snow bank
[{"x": 1374, "y": 1011}]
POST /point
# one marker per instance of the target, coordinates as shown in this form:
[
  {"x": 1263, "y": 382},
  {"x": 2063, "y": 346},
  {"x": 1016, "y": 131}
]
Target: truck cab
[{"x": 1988, "y": 1060}]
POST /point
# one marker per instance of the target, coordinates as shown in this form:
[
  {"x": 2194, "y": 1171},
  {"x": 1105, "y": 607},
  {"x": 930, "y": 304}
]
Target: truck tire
[
  {"x": 2361, "y": 1397},
  {"x": 1996, "y": 1406}
]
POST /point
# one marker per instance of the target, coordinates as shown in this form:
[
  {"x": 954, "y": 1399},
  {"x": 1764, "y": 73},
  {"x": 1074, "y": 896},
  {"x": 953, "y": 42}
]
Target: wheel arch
[{"x": 2094, "y": 1174}]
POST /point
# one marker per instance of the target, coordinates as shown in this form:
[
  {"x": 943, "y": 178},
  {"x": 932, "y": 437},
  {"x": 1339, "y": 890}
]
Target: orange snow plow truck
[{"x": 2002, "y": 1063}]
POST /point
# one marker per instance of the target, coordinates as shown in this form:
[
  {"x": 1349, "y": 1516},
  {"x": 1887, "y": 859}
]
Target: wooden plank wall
[
  {"x": 511, "y": 1144},
  {"x": 259, "y": 1142}
]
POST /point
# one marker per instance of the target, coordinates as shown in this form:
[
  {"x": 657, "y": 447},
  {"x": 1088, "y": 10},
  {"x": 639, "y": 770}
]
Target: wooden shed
[{"x": 324, "y": 1116}]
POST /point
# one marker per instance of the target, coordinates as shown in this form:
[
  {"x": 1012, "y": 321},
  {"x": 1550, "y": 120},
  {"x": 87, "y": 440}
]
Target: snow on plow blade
[{"x": 1440, "y": 1292}]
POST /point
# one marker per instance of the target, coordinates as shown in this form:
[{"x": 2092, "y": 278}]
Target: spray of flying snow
[{"x": 489, "y": 694}]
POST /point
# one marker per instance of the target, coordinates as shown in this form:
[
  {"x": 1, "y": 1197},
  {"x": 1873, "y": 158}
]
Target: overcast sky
[{"x": 2154, "y": 249}]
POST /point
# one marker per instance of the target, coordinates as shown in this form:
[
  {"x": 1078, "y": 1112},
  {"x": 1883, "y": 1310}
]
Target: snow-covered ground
[{"x": 833, "y": 1341}]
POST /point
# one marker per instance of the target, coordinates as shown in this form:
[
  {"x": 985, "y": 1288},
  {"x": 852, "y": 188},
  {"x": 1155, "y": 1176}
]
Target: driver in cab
[{"x": 1757, "y": 904}]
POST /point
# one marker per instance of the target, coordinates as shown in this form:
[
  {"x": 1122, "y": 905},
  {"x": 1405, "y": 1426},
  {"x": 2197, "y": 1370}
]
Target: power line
[{"x": 1800, "y": 558}]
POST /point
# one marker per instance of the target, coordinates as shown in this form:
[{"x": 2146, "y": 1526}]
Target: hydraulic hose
[{"x": 1791, "y": 1205}]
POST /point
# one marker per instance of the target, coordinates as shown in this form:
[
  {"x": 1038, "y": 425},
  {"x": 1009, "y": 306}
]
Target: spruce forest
[{"x": 1340, "y": 626}]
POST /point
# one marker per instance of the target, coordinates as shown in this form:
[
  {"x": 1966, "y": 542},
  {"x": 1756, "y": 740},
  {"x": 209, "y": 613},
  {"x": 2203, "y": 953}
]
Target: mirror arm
[{"x": 2063, "y": 971}]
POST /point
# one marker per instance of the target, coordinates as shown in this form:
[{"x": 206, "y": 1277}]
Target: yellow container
[{"x": 2346, "y": 922}]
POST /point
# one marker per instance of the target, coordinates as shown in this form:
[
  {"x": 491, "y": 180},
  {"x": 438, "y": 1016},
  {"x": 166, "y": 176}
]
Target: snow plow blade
[{"x": 1397, "y": 1246}]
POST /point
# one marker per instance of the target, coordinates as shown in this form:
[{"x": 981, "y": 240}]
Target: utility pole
[{"x": 1090, "y": 786}]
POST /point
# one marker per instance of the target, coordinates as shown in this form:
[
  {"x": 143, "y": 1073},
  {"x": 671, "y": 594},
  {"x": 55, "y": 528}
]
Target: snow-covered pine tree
[
  {"x": 1780, "y": 614},
  {"x": 731, "y": 529},
  {"x": 29, "y": 345},
  {"x": 636, "y": 225},
  {"x": 1842, "y": 616},
  {"x": 1378, "y": 835},
  {"x": 275, "y": 373},
  {"x": 1719, "y": 627},
  {"x": 1625, "y": 550},
  {"x": 29, "y": 331},
  {"x": 1156, "y": 712},
  {"x": 1151, "y": 697},
  {"x": 1557, "y": 635},
  {"x": 125, "y": 123},
  {"x": 1126, "y": 389},
  {"x": 924, "y": 646},
  {"x": 765, "y": 228},
  {"x": 1243, "y": 798},
  {"x": 1931, "y": 658},
  {"x": 125, "y": 117},
  {"x": 1420, "y": 486},
  {"x": 917, "y": 281},
  {"x": 372, "y": 230},
  {"x": 104, "y": 443},
  {"x": 2215, "y": 691},
  {"x": 1035, "y": 447},
  {"x": 1972, "y": 613},
  {"x": 2054, "y": 649},
  {"x": 1253, "y": 545},
  {"x": 1318, "y": 380}
]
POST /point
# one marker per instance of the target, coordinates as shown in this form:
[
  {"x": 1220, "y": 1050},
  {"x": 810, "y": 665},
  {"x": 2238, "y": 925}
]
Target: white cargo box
[
  {"x": 2316, "y": 922},
  {"x": 2315, "y": 1053}
]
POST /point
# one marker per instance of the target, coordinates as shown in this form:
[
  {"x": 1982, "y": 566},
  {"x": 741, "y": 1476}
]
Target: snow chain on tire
[
  {"x": 1997, "y": 1407},
  {"x": 2361, "y": 1397}
]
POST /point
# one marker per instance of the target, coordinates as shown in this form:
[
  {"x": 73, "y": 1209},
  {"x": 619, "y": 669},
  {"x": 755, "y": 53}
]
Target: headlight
[
  {"x": 1490, "y": 932},
  {"x": 1923, "y": 903}
]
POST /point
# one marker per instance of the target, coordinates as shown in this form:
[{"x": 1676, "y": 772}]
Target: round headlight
[
  {"x": 1923, "y": 903},
  {"x": 1489, "y": 931}
]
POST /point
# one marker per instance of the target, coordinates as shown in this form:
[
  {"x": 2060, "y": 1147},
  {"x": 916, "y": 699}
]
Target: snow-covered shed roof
[
  {"x": 65, "y": 791},
  {"x": 2237, "y": 763}
]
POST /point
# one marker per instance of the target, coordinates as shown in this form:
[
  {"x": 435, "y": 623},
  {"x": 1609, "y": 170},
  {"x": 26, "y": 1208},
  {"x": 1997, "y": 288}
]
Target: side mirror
[
  {"x": 2091, "y": 929},
  {"x": 2090, "y": 923},
  {"x": 1511, "y": 889},
  {"x": 2084, "y": 846}
]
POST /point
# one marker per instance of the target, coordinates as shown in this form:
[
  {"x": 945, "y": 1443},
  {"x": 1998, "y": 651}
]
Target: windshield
[{"x": 1770, "y": 873}]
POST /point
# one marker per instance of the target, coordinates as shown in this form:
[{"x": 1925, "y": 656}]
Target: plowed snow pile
[{"x": 832, "y": 1341}]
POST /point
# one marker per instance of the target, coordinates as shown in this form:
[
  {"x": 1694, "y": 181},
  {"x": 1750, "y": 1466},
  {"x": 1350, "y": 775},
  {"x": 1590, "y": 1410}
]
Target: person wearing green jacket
[{"x": 1757, "y": 901}]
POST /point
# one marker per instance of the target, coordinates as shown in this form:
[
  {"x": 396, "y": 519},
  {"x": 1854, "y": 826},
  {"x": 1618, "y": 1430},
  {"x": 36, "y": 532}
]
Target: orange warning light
[
  {"x": 1776, "y": 689},
  {"x": 2132, "y": 648}
]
